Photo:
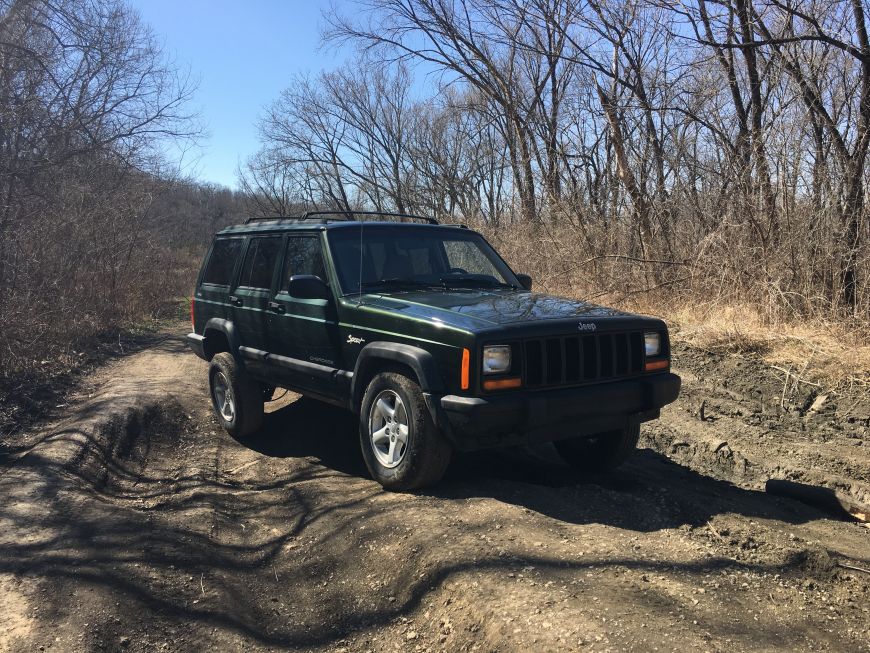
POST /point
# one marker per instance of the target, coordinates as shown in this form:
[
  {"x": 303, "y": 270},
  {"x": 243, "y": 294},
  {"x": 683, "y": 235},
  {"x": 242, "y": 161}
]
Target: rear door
[
  {"x": 251, "y": 297},
  {"x": 305, "y": 331},
  {"x": 212, "y": 295}
]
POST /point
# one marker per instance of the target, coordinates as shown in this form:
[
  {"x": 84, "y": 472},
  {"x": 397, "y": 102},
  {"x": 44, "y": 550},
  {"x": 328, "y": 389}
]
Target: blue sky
[{"x": 243, "y": 54}]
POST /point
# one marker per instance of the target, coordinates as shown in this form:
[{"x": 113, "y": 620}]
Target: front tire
[
  {"x": 602, "y": 452},
  {"x": 400, "y": 445},
  {"x": 236, "y": 398}
]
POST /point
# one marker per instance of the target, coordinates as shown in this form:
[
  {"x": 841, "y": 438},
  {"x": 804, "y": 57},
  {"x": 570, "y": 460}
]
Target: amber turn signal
[
  {"x": 652, "y": 366},
  {"x": 502, "y": 384},
  {"x": 466, "y": 363}
]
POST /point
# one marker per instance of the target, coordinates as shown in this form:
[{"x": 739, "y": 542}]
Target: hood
[{"x": 477, "y": 309}]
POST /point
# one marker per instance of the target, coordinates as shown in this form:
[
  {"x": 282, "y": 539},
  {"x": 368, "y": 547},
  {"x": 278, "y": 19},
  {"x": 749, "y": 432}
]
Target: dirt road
[{"x": 136, "y": 524}]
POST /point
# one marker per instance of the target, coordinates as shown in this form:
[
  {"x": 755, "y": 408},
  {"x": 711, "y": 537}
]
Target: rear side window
[
  {"x": 303, "y": 257},
  {"x": 222, "y": 262},
  {"x": 260, "y": 262}
]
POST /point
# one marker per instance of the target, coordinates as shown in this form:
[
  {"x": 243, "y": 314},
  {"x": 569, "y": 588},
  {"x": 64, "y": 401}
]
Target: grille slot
[
  {"x": 534, "y": 363},
  {"x": 571, "y": 360},
  {"x": 636, "y": 352},
  {"x": 590, "y": 358},
  {"x": 554, "y": 361},
  {"x": 621, "y": 346},
  {"x": 605, "y": 344}
]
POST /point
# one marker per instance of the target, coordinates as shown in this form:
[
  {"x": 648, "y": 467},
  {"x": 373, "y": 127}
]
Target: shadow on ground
[
  {"x": 532, "y": 477},
  {"x": 292, "y": 552}
]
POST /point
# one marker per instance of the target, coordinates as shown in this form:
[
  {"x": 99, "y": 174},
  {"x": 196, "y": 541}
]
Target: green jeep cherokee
[{"x": 425, "y": 332}]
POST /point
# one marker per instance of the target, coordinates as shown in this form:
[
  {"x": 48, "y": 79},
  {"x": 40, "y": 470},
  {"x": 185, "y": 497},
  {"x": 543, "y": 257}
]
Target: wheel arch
[
  {"x": 220, "y": 336},
  {"x": 377, "y": 357}
]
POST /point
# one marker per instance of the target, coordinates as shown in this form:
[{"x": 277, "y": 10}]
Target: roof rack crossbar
[
  {"x": 349, "y": 216},
  {"x": 273, "y": 218}
]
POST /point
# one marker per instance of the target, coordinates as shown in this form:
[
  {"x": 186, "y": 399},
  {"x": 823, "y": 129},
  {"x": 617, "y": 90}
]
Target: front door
[{"x": 304, "y": 332}]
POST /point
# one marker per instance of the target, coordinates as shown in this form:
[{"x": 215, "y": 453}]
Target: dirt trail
[{"x": 136, "y": 524}]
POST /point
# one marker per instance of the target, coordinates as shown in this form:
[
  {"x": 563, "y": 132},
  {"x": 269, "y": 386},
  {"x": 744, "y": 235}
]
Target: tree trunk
[
  {"x": 853, "y": 211},
  {"x": 623, "y": 170}
]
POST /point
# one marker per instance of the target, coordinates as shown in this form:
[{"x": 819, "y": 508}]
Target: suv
[{"x": 425, "y": 332}]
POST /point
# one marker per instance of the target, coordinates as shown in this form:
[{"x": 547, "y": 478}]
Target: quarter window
[
  {"x": 260, "y": 262},
  {"x": 303, "y": 257},
  {"x": 222, "y": 261}
]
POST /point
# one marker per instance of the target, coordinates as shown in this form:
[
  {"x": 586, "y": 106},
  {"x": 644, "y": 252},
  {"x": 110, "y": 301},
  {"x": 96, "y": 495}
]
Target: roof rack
[{"x": 340, "y": 216}]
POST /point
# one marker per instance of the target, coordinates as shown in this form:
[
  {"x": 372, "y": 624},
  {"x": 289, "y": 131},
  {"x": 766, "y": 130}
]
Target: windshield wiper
[
  {"x": 474, "y": 282},
  {"x": 395, "y": 283}
]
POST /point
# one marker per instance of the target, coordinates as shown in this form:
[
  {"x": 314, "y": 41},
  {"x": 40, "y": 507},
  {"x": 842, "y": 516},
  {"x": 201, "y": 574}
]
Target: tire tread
[
  {"x": 247, "y": 392},
  {"x": 429, "y": 452}
]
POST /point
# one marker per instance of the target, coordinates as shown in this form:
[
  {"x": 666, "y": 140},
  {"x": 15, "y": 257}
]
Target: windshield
[{"x": 406, "y": 259}]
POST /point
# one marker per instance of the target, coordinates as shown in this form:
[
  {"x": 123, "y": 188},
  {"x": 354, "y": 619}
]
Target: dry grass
[
  {"x": 828, "y": 354},
  {"x": 706, "y": 304}
]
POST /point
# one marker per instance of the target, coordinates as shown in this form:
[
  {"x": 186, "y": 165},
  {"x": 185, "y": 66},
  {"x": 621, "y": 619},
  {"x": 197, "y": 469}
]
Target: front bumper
[{"x": 552, "y": 414}]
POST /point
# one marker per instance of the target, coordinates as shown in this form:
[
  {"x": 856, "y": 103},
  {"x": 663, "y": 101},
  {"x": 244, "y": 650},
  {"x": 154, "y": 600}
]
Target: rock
[
  {"x": 818, "y": 403},
  {"x": 411, "y": 635},
  {"x": 124, "y": 641}
]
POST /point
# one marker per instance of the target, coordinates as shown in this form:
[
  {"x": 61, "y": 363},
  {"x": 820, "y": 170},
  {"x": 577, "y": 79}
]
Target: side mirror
[
  {"x": 525, "y": 280},
  {"x": 307, "y": 286}
]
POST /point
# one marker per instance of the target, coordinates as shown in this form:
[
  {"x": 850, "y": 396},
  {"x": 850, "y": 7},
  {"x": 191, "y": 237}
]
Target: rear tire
[
  {"x": 237, "y": 399},
  {"x": 400, "y": 445},
  {"x": 602, "y": 452}
]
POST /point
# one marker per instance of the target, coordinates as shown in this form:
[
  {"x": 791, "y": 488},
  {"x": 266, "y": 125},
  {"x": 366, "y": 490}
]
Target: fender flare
[
  {"x": 419, "y": 360},
  {"x": 228, "y": 329}
]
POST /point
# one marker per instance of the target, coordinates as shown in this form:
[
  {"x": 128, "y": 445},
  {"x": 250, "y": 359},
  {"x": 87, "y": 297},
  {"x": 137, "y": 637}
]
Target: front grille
[{"x": 571, "y": 360}]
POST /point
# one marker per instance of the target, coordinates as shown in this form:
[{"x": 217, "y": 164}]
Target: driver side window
[
  {"x": 303, "y": 257},
  {"x": 466, "y": 256}
]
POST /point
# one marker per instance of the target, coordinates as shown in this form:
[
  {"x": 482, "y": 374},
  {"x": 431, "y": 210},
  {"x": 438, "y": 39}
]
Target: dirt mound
[
  {"x": 741, "y": 420},
  {"x": 771, "y": 390}
]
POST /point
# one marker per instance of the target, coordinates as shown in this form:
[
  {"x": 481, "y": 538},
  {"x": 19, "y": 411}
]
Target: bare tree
[
  {"x": 87, "y": 104},
  {"x": 475, "y": 41},
  {"x": 842, "y": 25},
  {"x": 729, "y": 136}
]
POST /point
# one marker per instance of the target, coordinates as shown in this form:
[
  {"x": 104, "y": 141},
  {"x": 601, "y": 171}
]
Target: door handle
[
  {"x": 235, "y": 300},
  {"x": 275, "y": 306}
]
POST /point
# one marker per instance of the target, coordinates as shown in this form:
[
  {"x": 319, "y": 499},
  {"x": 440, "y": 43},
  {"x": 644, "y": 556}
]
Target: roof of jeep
[{"x": 280, "y": 225}]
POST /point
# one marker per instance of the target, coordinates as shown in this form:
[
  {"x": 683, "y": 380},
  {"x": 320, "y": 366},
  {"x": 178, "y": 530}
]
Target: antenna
[{"x": 359, "y": 286}]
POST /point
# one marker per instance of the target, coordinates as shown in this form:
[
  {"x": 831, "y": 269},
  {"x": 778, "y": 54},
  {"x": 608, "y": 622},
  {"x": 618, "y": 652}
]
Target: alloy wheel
[{"x": 388, "y": 428}]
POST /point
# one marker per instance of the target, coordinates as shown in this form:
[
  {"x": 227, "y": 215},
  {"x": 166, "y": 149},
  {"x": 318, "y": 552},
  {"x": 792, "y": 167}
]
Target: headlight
[
  {"x": 652, "y": 343},
  {"x": 496, "y": 359}
]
